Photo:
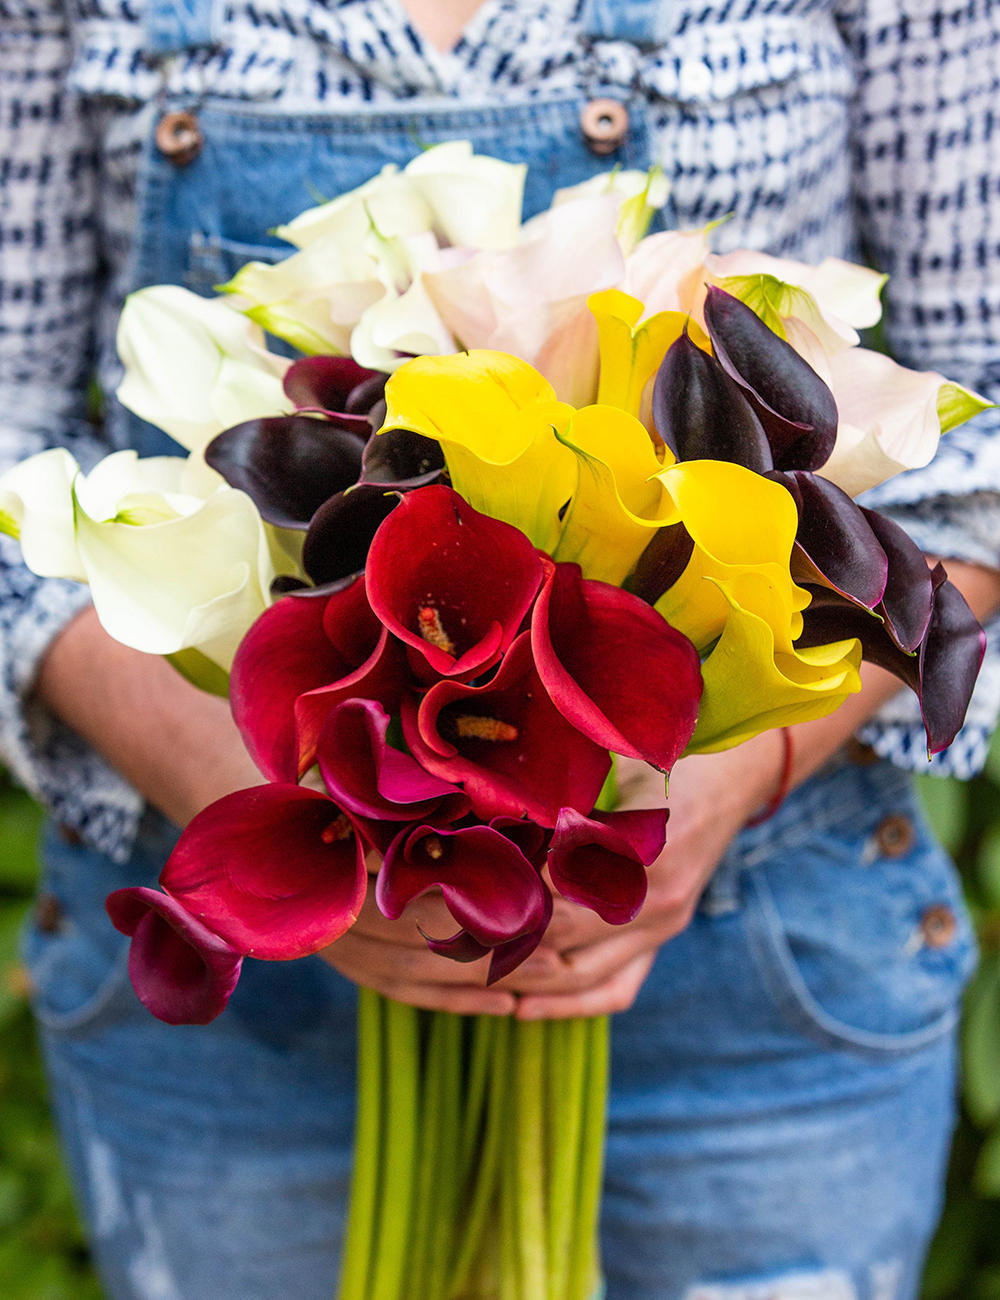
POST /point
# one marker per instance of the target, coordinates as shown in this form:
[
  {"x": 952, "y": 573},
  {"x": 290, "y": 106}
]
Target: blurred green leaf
[
  {"x": 981, "y": 1040},
  {"x": 20, "y": 820},
  {"x": 988, "y": 867},
  {"x": 946, "y": 804},
  {"x": 987, "y": 1285},
  {"x": 952, "y": 1253},
  {"x": 987, "y": 1178},
  {"x": 13, "y": 990}
]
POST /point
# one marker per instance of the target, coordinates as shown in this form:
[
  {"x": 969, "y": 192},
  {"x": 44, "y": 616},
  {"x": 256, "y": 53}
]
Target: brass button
[
  {"x": 179, "y": 137},
  {"x": 604, "y": 123},
  {"x": 48, "y": 914},
  {"x": 860, "y": 755},
  {"x": 895, "y": 836},
  {"x": 69, "y": 835},
  {"x": 938, "y": 925}
]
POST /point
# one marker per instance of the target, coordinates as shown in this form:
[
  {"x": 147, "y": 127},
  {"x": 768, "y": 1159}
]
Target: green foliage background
[{"x": 42, "y": 1253}]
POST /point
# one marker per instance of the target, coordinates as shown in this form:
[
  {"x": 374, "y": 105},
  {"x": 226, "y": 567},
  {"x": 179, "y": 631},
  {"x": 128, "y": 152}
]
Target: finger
[
  {"x": 616, "y": 994},
  {"x": 396, "y": 961},
  {"x": 427, "y": 913}
]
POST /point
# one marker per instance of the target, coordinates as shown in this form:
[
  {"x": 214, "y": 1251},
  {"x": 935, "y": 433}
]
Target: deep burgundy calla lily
[
  {"x": 701, "y": 413},
  {"x": 942, "y": 673},
  {"x": 835, "y": 545},
  {"x": 614, "y": 668},
  {"x": 325, "y": 648},
  {"x": 512, "y": 750},
  {"x": 489, "y": 886},
  {"x": 400, "y": 458},
  {"x": 506, "y": 957},
  {"x": 181, "y": 971},
  {"x": 342, "y": 530},
  {"x": 451, "y": 583},
  {"x": 368, "y": 777},
  {"x": 344, "y": 391},
  {"x": 600, "y": 861},
  {"x": 796, "y": 408},
  {"x": 661, "y": 563},
  {"x": 908, "y": 599},
  {"x": 287, "y": 464},
  {"x": 277, "y": 871}
]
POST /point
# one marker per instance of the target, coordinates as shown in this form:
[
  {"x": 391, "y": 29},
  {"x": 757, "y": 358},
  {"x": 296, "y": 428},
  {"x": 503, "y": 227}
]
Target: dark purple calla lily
[
  {"x": 344, "y": 391},
  {"x": 325, "y": 648},
  {"x": 942, "y": 673},
  {"x": 908, "y": 599},
  {"x": 368, "y": 777},
  {"x": 701, "y": 413},
  {"x": 793, "y": 404},
  {"x": 600, "y": 861},
  {"x": 342, "y": 530},
  {"x": 287, "y": 464},
  {"x": 614, "y": 668},
  {"x": 277, "y": 871},
  {"x": 508, "y": 745},
  {"x": 489, "y": 886},
  {"x": 400, "y": 458},
  {"x": 661, "y": 563},
  {"x": 181, "y": 971},
  {"x": 835, "y": 545},
  {"x": 451, "y": 583}
]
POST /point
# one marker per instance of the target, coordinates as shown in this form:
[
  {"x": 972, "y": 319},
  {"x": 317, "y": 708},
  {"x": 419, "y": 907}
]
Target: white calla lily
[
  {"x": 889, "y": 417},
  {"x": 195, "y": 366},
  {"x": 389, "y": 201},
  {"x": 404, "y": 322},
  {"x": 639, "y": 195},
  {"x": 36, "y": 501},
  {"x": 476, "y": 200}
]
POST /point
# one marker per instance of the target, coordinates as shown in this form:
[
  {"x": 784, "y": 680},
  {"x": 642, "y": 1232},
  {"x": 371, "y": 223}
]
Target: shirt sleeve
[{"x": 48, "y": 294}]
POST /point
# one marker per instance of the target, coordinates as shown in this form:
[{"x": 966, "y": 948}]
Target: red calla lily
[
  {"x": 489, "y": 886},
  {"x": 277, "y": 871},
  {"x": 182, "y": 973},
  {"x": 453, "y": 584},
  {"x": 367, "y": 776},
  {"x": 614, "y": 668},
  {"x": 506, "y": 742},
  {"x": 600, "y": 861}
]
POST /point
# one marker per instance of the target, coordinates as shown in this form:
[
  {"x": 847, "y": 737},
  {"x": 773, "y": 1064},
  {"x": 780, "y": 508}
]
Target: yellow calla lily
[
  {"x": 631, "y": 352},
  {"x": 618, "y": 499},
  {"x": 495, "y": 417},
  {"x": 741, "y": 524},
  {"x": 751, "y": 685}
]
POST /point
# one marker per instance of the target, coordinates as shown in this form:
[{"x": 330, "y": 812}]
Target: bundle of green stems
[{"x": 478, "y": 1157}]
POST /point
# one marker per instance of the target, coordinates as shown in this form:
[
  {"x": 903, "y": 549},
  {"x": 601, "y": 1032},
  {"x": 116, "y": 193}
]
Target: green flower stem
[
  {"x": 567, "y": 1071},
  {"x": 584, "y": 1266},
  {"x": 446, "y": 1042},
  {"x": 356, "y": 1264},
  {"x": 402, "y": 1064},
  {"x": 481, "y": 1187},
  {"x": 428, "y": 1147},
  {"x": 480, "y": 1062},
  {"x": 529, "y": 1095}
]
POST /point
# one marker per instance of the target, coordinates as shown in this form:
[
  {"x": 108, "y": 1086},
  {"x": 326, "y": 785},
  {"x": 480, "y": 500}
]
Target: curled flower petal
[
  {"x": 277, "y": 871},
  {"x": 400, "y": 458},
  {"x": 908, "y": 599},
  {"x": 489, "y": 886},
  {"x": 614, "y": 668},
  {"x": 701, "y": 413},
  {"x": 794, "y": 405},
  {"x": 288, "y": 465},
  {"x": 507, "y": 743},
  {"x": 600, "y": 861},
  {"x": 661, "y": 563},
  {"x": 288, "y": 652},
  {"x": 630, "y": 350},
  {"x": 341, "y": 532},
  {"x": 182, "y": 973},
  {"x": 344, "y": 391},
  {"x": 453, "y": 584},
  {"x": 368, "y": 777}
]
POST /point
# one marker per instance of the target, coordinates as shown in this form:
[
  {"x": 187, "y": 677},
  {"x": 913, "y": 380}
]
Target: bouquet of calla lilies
[{"x": 527, "y": 498}]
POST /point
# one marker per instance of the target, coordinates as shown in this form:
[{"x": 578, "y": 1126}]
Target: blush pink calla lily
[
  {"x": 489, "y": 886},
  {"x": 451, "y": 583},
  {"x": 277, "y": 871},
  {"x": 181, "y": 971},
  {"x": 600, "y": 861},
  {"x": 368, "y": 777},
  {"x": 614, "y": 668},
  {"x": 507, "y": 743}
]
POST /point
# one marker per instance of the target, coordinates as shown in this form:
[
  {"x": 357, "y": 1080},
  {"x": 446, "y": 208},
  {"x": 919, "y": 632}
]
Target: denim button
[
  {"x": 179, "y": 138},
  {"x": 895, "y": 836},
  {"x": 938, "y": 925},
  {"x": 859, "y": 754},
  {"x": 604, "y": 123},
  {"x": 48, "y": 914}
]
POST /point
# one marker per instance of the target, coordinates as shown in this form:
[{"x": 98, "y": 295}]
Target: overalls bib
[{"x": 782, "y": 1089}]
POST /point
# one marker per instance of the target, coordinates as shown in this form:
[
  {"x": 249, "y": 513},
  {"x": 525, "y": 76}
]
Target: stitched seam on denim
[
  {"x": 793, "y": 993},
  {"x": 106, "y": 991}
]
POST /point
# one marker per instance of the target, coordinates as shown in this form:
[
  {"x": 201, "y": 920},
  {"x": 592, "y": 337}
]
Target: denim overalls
[{"x": 782, "y": 1090}]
